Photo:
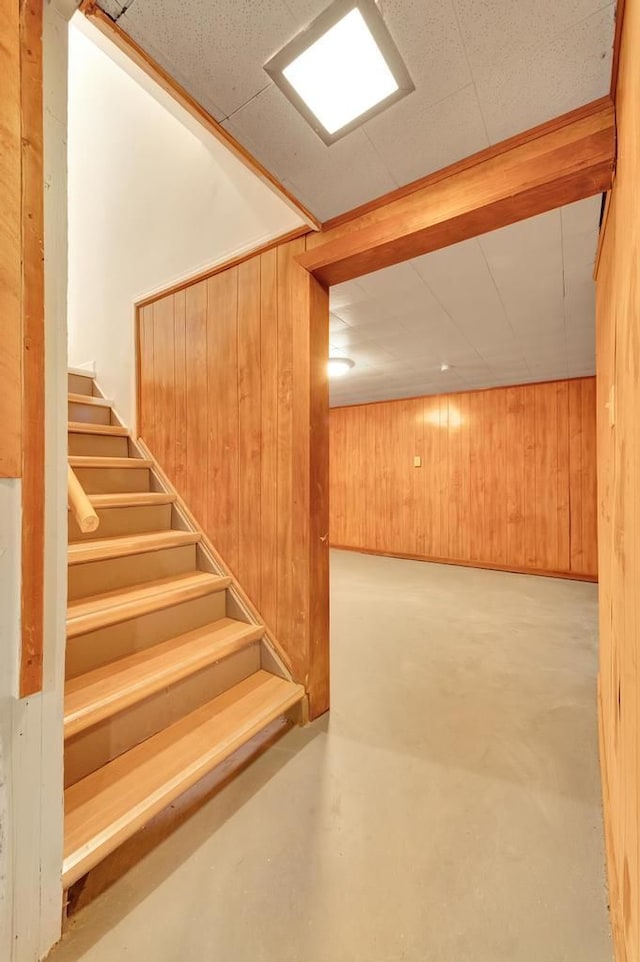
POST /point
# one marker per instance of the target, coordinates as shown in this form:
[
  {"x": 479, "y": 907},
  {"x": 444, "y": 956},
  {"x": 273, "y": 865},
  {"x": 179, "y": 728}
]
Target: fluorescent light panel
[
  {"x": 342, "y": 70},
  {"x": 343, "y": 74}
]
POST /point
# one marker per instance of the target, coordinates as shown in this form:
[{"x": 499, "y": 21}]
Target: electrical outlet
[{"x": 417, "y": 461}]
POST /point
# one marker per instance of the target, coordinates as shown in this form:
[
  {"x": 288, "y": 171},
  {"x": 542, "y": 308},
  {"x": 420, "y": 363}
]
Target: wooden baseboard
[{"x": 569, "y": 575}]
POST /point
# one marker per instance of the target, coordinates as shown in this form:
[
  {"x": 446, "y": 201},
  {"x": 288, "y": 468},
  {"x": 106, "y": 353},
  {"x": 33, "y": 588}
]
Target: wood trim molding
[
  {"x": 32, "y": 299},
  {"x": 141, "y": 58},
  {"x": 487, "y": 565},
  {"x": 208, "y": 272},
  {"x": 564, "y": 160}
]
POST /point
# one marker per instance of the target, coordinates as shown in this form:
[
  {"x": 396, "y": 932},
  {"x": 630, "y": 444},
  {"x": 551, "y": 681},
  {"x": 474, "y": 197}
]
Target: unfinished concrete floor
[{"x": 448, "y": 810}]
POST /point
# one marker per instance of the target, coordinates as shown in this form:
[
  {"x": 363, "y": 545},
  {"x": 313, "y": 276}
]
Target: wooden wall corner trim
[
  {"x": 32, "y": 297},
  {"x": 159, "y": 75}
]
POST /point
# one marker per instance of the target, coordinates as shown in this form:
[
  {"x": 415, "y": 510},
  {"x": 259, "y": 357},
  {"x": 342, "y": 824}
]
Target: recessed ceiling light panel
[{"x": 342, "y": 70}]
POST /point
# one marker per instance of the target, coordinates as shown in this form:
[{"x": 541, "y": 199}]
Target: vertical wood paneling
[
  {"x": 269, "y": 436},
  {"x": 222, "y": 421},
  {"x": 477, "y": 541},
  {"x": 196, "y": 476},
  {"x": 240, "y": 358},
  {"x": 529, "y": 477},
  {"x": 164, "y": 361},
  {"x": 618, "y": 436},
  {"x": 11, "y": 245},
  {"x": 515, "y": 482},
  {"x": 180, "y": 374},
  {"x": 249, "y": 428},
  {"x": 285, "y": 573},
  {"x": 22, "y": 453},
  {"x": 503, "y": 475}
]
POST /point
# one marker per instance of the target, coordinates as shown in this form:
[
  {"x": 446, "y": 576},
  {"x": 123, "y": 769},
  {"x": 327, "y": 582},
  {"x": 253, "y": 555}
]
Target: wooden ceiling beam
[{"x": 564, "y": 160}]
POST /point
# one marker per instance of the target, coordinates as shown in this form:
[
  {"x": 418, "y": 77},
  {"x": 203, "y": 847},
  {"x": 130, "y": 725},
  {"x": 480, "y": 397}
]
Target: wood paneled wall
[
  {"x": 507, "y": 477},
  {"x": 22, "y": 306},
  {"x": 233, "y": 401},
  {"x": 618, "y": 369}
]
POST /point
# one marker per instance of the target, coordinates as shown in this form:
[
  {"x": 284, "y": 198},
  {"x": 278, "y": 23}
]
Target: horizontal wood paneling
[
  {"x": 618, "y": 404},
  {"x": 233, "y": 401},
  {"x": 507, "y": 477}
]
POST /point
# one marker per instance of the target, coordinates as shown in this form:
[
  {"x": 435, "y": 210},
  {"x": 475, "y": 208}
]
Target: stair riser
[
  {"x": 97, "y": 648},
  {"x": 96, "y": 577},
  {"x": 80, "y": 385},
  {"x": 95, "y": 747},
  {"x": 89, "y": 413},
  {"x": 111, "y": 480},
  {"x": 120, "y": 521},
  {"x": 98, "y": 446}
]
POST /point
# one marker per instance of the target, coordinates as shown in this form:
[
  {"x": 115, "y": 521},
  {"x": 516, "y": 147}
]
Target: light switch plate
[{"x": 417, "y": 461}]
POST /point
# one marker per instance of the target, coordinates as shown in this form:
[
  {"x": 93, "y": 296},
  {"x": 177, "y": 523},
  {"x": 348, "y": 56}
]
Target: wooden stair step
[
  {"x": 121, "y": 546},
  {"x": 98, "y": 611},
  {"x": 84, "y": 427},
  {"x": 89, "y": 399},
  {"x": 88, "y": 461},
  {"x": 131, "y": 499},
  {"x": 107, "y": 690},
  {"x": 108, "y": 806}
]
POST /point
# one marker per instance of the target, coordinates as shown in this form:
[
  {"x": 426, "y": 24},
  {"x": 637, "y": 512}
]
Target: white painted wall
[
  {"x": 153, "y": 198},
  {"x": 31, "y": 728}
]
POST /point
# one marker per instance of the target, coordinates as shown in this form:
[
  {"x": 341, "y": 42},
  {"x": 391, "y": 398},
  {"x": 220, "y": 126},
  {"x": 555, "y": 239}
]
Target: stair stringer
[{"x": 274, "y": 658}]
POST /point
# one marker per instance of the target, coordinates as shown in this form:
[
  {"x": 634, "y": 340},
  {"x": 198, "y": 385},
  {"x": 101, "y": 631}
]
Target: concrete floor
[{"x": 448, "y": 810}]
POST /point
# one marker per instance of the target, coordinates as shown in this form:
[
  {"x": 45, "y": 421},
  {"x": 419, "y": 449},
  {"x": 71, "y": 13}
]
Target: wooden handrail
[{"x": 83, "y": 510}]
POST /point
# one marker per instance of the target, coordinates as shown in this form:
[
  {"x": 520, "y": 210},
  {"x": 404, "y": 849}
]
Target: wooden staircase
[{"x": 168, "y": 671}]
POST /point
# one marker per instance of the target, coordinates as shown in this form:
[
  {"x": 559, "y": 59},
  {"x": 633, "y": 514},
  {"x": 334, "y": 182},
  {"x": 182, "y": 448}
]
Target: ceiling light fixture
[
  {"x": 445, "y": 367},
  {"x": 339, "y": 366},
  {"x": 342, "y": 70}
]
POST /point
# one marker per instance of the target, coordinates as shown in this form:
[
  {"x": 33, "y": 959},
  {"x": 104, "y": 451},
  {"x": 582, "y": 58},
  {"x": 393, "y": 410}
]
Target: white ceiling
[
  {"x": 512, "y": 306},
  {"x": 483, "y": 70}
]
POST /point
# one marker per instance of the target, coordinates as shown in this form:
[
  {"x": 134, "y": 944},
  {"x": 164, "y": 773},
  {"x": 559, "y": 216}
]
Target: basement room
[{"x": 320, "y": 603}]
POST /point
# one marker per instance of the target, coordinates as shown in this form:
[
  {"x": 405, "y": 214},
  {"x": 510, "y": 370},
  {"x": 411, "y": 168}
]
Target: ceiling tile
[
  {"x": 415, "y": 138},
  {"x": 429, "y": 41},
  {"x": 525, "y": 85},
  {"x": 490, "y": 26},
  {"x": 221, "y": 48},
  {"x": 337, "y": 183}
]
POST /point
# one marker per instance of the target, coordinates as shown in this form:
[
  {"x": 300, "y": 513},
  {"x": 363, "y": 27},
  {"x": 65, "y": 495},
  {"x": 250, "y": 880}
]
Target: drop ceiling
[
  {"x": 483, "y": 70},
  {"x": 513, "y": 306}
]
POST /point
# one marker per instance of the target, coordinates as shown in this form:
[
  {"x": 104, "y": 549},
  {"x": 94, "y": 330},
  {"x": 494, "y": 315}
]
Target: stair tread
[
  {"x": 87, "y": 427},
  {"x": 108, "y": 806},
  {"x": 88, "y": 461},
  {"x": 131, "y": 499},
  {"x": 121, "y": 545},
  {"x": 89, "y": 399},
  {"x": 103, "y": 692},
  {"x": 111, "y": 607}
]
